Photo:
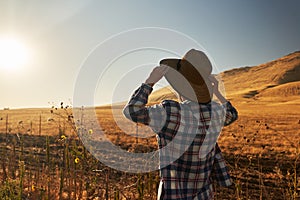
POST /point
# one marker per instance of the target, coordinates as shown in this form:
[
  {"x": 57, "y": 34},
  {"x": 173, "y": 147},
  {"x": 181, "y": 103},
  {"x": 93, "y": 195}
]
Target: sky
[{"x": 105, "y": 49}]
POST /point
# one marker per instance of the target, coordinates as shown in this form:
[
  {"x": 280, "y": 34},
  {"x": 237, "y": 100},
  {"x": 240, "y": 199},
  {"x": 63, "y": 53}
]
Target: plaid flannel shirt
[{"x": 181, "y": 134}]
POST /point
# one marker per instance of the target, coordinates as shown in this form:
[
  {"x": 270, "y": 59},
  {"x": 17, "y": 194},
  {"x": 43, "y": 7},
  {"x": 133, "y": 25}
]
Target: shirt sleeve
[
  {"x": 220, "y": 171},
  {"x": 137, "y": 111},
  {"x": 231, "y": 114}
]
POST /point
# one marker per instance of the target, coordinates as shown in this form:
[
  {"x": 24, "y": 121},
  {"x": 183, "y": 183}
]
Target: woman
[{"x": 187, "y": 131}]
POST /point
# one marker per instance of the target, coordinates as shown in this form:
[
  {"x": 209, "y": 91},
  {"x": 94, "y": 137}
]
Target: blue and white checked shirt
[{"x": 190, "y": 158}]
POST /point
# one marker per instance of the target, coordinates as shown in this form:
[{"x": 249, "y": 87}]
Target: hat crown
[
  {"x": 189, "y": 75},
  {"x": 199, "y": 60}
]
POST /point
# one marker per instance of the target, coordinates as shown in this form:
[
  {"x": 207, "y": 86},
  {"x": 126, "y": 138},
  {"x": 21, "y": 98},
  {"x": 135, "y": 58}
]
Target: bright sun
[{"x": 13, "y": 54}]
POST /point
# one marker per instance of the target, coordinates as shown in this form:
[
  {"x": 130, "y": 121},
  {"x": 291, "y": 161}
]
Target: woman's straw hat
[{"x": 189, "y": 76}]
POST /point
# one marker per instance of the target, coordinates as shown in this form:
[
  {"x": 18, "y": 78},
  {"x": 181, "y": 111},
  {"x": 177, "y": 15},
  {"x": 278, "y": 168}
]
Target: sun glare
[{"x": 13, "y": 54}]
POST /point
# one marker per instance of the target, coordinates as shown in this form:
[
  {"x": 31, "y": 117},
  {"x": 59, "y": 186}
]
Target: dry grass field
[{"x": 43, "y": 158}]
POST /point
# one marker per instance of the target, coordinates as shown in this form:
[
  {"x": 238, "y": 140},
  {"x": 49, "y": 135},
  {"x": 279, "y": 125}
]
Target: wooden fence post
[
  {"x": 40, "y": 125},
  {"x": 6, "y": 128}
]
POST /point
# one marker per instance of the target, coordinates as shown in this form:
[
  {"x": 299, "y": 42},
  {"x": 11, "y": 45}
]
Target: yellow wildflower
[
  {"x": 63, "y": 137},
  {"x": 76, "y": 160},
  {"x": 91, "y": 131}
]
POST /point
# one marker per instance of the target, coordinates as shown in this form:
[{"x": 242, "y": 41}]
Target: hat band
[{"x": 178, "y": 66}]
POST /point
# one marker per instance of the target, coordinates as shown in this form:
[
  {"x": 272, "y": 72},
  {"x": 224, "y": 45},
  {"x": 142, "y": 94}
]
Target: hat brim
[
  {"x": 194, "y": 87},
  {"x": 171, "y": 62}
]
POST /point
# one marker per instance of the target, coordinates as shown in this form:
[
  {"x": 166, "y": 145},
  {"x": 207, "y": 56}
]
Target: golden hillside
[{"x": 251, "y": 82}]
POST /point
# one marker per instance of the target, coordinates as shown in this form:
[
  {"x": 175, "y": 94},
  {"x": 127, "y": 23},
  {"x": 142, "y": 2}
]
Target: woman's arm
[
  {"x": 231, "y": 112},
  {"x": 136, "y": 109}
]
